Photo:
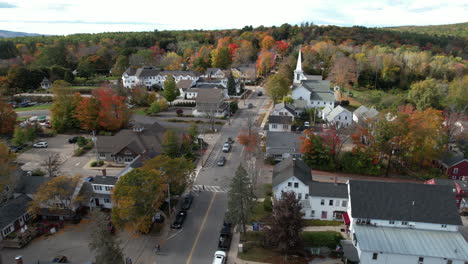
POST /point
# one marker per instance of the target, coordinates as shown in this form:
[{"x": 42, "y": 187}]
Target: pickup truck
[{"x": 225, "y": 237}]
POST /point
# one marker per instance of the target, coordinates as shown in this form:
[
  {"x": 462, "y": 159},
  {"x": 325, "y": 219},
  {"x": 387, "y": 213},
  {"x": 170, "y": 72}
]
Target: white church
[{"x": 311, "y": 88}]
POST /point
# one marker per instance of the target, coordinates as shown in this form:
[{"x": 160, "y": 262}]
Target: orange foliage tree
[
  {"x": 7, "y": 118},
  {"x": 113, "y": 112}
]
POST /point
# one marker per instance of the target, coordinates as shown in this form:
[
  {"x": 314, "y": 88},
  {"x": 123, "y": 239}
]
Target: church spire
[{"x": 299, "y": 62}]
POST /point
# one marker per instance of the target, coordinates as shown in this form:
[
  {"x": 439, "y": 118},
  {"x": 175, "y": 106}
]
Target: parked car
[
  {"x": 60, "y": 259},
  {"x": 187, "y": 202},
  {"x": 229, "y": 140},
  {"x": 89, "y": 179},
  {"x": 24, "y": 104},
  {"x": 158, "y": 218},
  {"x": 13, "y": 104},
  {"x": 40, "y": 144},
  {"x": 226, "y": 147},
  {"x": 307, "y": 124},
  {"x": 251, "y": 106},
  {"x": 259, "y": 93},
  {"x": 73, "y": 140},
  {"x": 32, "y": 103},
  {"x": 225, "y": 237},
  {"x": 219, "y": 257},
  {"x": 221, "y": 161},
  {"x": 15, "y": 149},
  {"x": 179, "y": 220}
]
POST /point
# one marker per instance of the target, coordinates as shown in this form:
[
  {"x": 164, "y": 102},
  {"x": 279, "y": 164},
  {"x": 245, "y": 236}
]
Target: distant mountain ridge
[
  {"x": 13, "y": 34},
  {"x": 457, "y": 30}
]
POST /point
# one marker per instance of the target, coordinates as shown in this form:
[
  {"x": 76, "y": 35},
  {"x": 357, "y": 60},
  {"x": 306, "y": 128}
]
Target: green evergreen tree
[
  {"x": 171, "y": 144},
  {"x": 240, "y": 198},
  {"x": 231, "y": 85}
]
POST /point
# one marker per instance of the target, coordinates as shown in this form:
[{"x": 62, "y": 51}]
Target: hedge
[{"x": 321, "y": 239}]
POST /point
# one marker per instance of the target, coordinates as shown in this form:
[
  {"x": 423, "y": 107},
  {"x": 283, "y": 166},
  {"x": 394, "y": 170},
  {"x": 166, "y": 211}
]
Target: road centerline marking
[{"x": 189, "y": 259}]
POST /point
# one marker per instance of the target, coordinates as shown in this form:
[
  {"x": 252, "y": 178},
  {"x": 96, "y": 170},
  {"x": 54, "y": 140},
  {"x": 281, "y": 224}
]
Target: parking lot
[{"x": 70, "y": 165}]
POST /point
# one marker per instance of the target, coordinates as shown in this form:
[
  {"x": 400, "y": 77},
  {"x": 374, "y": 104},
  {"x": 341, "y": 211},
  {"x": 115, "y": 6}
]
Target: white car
[
  {"x": 219, "y": 257},
  {"x": 226, "y": 147},
  {"x": 40, "y": 144},
  {"x": 307, "y": 124}
]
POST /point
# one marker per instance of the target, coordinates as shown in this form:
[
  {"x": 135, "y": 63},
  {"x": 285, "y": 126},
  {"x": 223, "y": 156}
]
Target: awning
[{"x": 346, "y": 218}]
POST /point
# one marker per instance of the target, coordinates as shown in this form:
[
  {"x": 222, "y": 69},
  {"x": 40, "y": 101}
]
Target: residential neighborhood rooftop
[
  {"x": 403, "y": 202},
  {"x": 291, "y": 167},
  {"x": 285, "y": 120},
  {"x": 280, "y": 142},
  {"x": 13, "y": 209},
  {"x": 328, "y": 189},
  {"x": 104, "y": 180}
]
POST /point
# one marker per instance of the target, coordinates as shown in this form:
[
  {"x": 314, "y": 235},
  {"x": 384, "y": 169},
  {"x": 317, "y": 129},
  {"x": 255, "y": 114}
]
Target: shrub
[
  {"x": 100, "y": 163},
  {"x": 344, "y": 102},
  {"x": 81, "y": 141},
  {"x": 93, "y": 164},
  {"x": 89, "y": 145},
  {"x": 268, "y": 189},
  {"x": 179, "y": 112},
  {"x": 78, "y": 152},
  {"x": 37, "y": 172},
  {"x": 154, "y": 108},
  {"x": 267, "y": 204}
]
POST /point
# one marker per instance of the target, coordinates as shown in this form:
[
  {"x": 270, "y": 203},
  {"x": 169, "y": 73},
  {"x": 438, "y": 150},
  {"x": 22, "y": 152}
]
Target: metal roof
[{"x": 416, "y": 242}]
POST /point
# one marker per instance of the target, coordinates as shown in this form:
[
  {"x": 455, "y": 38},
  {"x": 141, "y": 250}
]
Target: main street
[{"x": 198, "y": 240}]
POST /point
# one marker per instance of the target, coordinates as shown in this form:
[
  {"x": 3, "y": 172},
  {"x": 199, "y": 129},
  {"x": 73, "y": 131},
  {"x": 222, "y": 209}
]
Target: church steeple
[{"x": 298, "y": 73}]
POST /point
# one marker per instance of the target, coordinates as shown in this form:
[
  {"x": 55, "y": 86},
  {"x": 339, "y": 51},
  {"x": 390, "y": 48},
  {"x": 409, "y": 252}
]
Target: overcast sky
[{"x": 90, "y": 16}]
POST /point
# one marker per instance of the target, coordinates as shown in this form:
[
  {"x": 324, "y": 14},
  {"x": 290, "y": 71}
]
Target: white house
[
  {"x": 404, "y": 223},
  {"x": 14, "y": 214},
  {"x": 215, "y": 73},
  {"x": 149, "y": 76},
  {"x": 339, "y": 116},
  {"x": 283, "y": 109},
  {"x": 210, "y": 103},
  {"x": 364, "y": 114},
  {"x": 320, "y": 200},
  {"x": 99, "y": 191},
  {"x": 299, "y": 75},
  {"x": 45, "y": 84},
  {"x": 279, "y": 123}
]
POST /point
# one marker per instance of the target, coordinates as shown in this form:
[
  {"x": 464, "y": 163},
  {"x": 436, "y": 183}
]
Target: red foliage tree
[
  {"x": 113, "y": 112},
  {"x": 232, "y": 48},
  {"x": 7, "y": 118},
  {"x": 250, "y": 142},
  {"x": 87, "y": 113}
]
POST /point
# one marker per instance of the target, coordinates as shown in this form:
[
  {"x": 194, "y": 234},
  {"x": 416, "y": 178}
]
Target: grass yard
[
  {"x": 33, "y": 108},
  {"x": 256, "y": 253},
  {"x": 139, "y": 110},
  {"x": 22, "y": 118},
  {"x": 258, "y": 213},
  {"x": 318, "y": 222},
  {"x": 321, "y": 239}
]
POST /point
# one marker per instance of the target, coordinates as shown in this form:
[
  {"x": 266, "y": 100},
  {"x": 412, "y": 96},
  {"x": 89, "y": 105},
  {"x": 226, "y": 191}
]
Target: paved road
[
  {"x": 34, "y": 113},
  {"x": 197, "y": 241}
]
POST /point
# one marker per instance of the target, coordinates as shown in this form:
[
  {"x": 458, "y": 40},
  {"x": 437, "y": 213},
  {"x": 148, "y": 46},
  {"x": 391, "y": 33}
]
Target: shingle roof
[
  {"x": 328, "y": 189},
  {"x": 463, "y": 185},
  {"x": 364, "y": 112},
  {"x": 13, "y": 209},
  {"x": 288, "y": 107},
  {"x": 313, "y": 77},
  {"x": 130, "y": 71},
  {"x": 322, "y": 96},
  {"x": 146, "y": 72},
  {"x": 415, "y": 242},
  {"x": 184, "y": 84},
  {"x": 149, "y": 139},
  {"x": 213, "y": 95},
  {"x": 285, "y": 120},
  {"x": 451, "y": 158},
  {"x": 29, "y": 184},
  {"x": 316, "y": 85},
  {"x": 283, "y": 142},
  {"x": 302, "y": 104},
  {"x": 291, "y": 167},
  {"x": 403, "y": 202},
  {"x": 349, "y": 251},
  {"x": 178, "y": 73},
  {"x": 105, "y": 180},
  {"x": 335, "y": 112}
]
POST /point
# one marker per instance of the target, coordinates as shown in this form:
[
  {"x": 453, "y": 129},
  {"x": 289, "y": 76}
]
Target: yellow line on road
[{"x": 201, "y": 229}]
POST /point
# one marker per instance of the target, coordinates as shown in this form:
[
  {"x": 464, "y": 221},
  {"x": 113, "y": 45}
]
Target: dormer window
[{"x": 444, "y": 226}]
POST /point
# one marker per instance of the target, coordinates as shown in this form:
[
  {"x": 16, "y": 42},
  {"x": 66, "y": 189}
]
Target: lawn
[
  {"x": 139, "y": 110},
  {"x": 321, "y": 239},
  {"x": 258, "y": 213},
  {"x": 318, "y": 222},
  {"x": 33, "y": 108},
  {"x": 257, "y": 253}
]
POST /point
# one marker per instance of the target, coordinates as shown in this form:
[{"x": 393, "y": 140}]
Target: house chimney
[
  {"x": 19, "y": 259},
  {"x": 104, "y": 173},
  {"x": 336, "y": 180}
]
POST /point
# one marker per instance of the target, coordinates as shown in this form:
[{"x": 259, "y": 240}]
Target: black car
[
  {"x": 179, "y": 220},
  {"x": 221, "y": 161},
  {"x": 259, "y": 94},
  {"x": 229, "y": 140},
  {"x": 73, "y": 140},
  {"x": 60, "y": 259},
  {"x": 187, "y": 202},
  {"x": 15, "y": 149}
]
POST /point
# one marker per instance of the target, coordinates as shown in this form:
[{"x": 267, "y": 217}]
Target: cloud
[{"x": 6, "y": 5}]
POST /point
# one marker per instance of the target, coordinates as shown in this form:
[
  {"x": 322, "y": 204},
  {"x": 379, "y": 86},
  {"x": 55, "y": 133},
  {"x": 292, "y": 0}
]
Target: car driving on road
[
  {"x": 40, "y": 144},
  {"x": 226, "y": 147},
  {"x": 221, "y": 161},
  {"x": 179, "y": 220}
]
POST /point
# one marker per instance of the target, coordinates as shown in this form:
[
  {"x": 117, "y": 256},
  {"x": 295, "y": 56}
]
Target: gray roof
[
  {"x": 451, "y": 183},
  {"x": 302, "y": 104},
  {"x": 214, "y": 95},
  {"x": 314, "y": 77},
  {"x": 415, "y": 242},
  {"x": 322, "y": 96},
  {"x": 410, "y": 202},
  {"x": 150, "y": 139},
  {"x": 178, "y": 73},
  {"x": 360, "y": 111},
  {"x": 130, "y": 71},
  {"x": 349, "y": 251},
  {"x": 146, "y": 72},
  {"x": 289, "y": 107},
  {"x": 13, "y": 209},
  {"x": 286, "y": 120},
  {"x": 328, "y": 189},
  {"x": 105, "y": 180},
  {"x": 365, "y": 113},
  {"x": 184, "y": 84},
  {"x": 451, "y": 158},
  {"x": 316, "y": 85},
  {"x": 283, "y": 142},
  {"x": 291, "y": 167},
  {"x": 212, "y": 71},
  {"x": 29, "y": 184},
  {"x": 336, "y": 111},
  {"x": 86, "y": 192}
]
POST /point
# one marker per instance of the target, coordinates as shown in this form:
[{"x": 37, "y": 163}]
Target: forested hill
[
  {"x": 456, "y": 30},
  {"x": 13, "y": 34}
]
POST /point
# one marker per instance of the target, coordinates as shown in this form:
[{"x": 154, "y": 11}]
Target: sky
[{"x": 62, "y": 17}]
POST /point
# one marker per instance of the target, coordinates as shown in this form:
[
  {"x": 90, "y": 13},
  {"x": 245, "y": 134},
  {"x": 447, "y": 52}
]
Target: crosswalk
[{"x": 208, "y": 188}]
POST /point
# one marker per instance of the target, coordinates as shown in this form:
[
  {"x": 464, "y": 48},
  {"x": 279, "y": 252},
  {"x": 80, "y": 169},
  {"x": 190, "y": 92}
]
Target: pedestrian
[
  {"x": 203, "y": 187},
  {"x": 157, "y": 248}
]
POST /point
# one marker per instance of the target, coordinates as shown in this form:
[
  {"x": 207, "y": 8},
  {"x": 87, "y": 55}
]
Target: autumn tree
[
  {"x": 240, "y": 199},
  {"x": 249, "y": 141},
  {"x": 457, "y": 97},
  {"x": 55, "y": 194},
  {"x": 265, "y": 62},
  {"x": 427, "y": 93},
  {"x": 202, "y": 59},
  {"x": 52, "y": 163},
  {"x": 193, "y": 131},
  {"x": 140, "y": 95},
  {"x": 221, "y": 58},
  {"x": 171, "y": 146},
  {"x": 286, "y": 224},
  {"x": 136, "y": 198},
  {"x": 7, "y": 118},
  {"x": 277, "y": 87},
  {"x": 121, "y": 64},
  {"x": 87, "y": 113},
  {"x": 177, "y": 172},
  {"x": 62, "y": 117},
  {"x": 113, "y": 112},
  {"x": 171, "y": 62},
  {"x": 7, "y": 160},
  {"x": 170, "y": 92},
  {"x": 343, "y": 72},
  {"x": 103, "y": 243},
  {"x": 316, "y": 153},
  {"x": 244, "y": 54},
  {"x": 267, "y": 43}
]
